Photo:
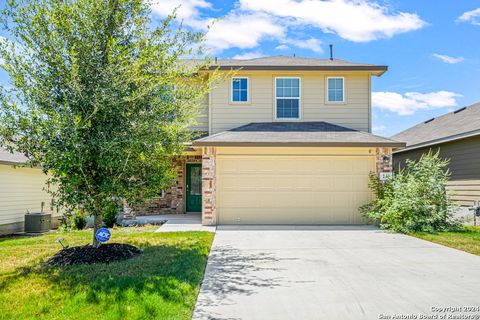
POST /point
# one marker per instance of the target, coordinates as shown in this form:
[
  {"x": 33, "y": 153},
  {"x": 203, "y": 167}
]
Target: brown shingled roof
[
  {"x": 294, "y": 63},
  {"x": 296, "y": 134}
]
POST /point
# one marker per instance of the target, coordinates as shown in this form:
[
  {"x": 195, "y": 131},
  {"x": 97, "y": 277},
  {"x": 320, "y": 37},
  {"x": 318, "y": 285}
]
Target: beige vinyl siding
[
  {"x": 21, "y": 189},
  {"x": 227, "y": 115},
  {"x": 202, "y": 117},
  {"x": 464, "y": 192},
  {"x": 353, "y": 113}
]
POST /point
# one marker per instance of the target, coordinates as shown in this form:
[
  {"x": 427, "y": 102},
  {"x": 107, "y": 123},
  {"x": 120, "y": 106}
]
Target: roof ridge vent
[
  {"x": 429, "y": 120},
  {"x": 459, "y": 110}
]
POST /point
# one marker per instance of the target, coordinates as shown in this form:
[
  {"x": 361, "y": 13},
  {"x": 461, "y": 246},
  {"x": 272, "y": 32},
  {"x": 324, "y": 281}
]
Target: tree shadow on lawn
[
  {"x": 161, "y": 273},
  {"x": 15, "y": 237}
]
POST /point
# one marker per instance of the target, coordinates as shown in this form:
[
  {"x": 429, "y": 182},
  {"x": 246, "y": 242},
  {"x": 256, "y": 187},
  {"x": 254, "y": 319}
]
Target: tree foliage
[
  {"x": 414, "y": 199},
  {"x": 100, "y": 98}
]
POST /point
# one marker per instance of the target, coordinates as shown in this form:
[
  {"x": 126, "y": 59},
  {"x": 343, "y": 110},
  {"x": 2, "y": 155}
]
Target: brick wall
[
  {"x": 384, "y": 160},
  {"x": 209, "y": 187},
  {"x": 173, "y": 199}
]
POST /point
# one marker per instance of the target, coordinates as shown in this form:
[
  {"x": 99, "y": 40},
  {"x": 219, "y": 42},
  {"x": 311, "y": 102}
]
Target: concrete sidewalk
[
  {"x": 309, "y": 272},
  {"x": 184, "y": 222}
]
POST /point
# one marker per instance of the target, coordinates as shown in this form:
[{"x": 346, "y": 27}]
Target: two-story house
[{"x": 289, "y": 142}]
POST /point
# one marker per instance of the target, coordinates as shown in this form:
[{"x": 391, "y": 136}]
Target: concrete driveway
[{"x": 333, "y": 273}]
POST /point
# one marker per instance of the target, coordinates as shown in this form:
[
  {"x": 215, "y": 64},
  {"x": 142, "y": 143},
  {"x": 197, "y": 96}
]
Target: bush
[
  {"x": 65, "y": 222},
  {"x": 79, "y": 221},
  {"x": 413, "y": 199},
  {"x": 110, "y": 212}
]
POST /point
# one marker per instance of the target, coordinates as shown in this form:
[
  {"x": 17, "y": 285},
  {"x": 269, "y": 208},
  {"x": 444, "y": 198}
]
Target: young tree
[{"x": 100, "y": 98}]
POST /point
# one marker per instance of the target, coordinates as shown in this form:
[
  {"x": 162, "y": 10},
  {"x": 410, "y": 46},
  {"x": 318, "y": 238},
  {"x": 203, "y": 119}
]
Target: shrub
[
  {"x": 110, "y": 212},
  {"x": 413, "y": 199},
  {"x": 65, "y": 222},
  {"x": 79, "y": 221}
]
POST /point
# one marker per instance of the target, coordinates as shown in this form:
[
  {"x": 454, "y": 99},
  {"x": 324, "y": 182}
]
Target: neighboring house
[
  {"x": 457, "y": 136},
  {"x": 21, "y": 190},
  {"x": 288, "y": 142}
]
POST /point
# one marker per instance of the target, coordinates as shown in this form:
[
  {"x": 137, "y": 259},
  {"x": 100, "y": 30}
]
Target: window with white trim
[
  {"x": 335, "y": 89},
  {"x": 239, "y": 89},
  {"x": 287, "y": 98}
]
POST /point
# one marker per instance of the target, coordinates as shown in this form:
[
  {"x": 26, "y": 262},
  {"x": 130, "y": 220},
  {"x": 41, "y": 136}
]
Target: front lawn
[
  {"x": 466, "y": 240},
  {"x": 161, "y": 283}
]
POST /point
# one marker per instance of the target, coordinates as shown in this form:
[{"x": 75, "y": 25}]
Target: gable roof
[
  {"x": 295, "y": 63},
  {"x": 301, "y": 134},
  {"x": 459, "y": 124}
]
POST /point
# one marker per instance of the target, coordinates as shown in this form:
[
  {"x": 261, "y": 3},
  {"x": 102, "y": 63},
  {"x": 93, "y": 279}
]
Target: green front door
[{"x": 194, "y": 187}]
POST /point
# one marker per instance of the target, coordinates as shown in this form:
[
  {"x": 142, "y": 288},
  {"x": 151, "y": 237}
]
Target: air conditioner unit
[{"x": 38, "y": 222}]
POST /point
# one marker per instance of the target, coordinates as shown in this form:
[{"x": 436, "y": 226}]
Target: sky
[{"x": 432, "y": 47}]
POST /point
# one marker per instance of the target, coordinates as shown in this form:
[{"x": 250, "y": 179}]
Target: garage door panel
[
  {"x": 342, "y": 166},
  {"x": 249, "y": 182},
  {"x": 289, "y": 199},
  {"x": 268, "y": 183},
  {"x": 359, "y": 182},
  {"x": 303, "y": 215},
  {"x": 362, "y": 166},
  {"x": 349, "y": 183},
  {"x": 292, "y": 189},
  {"x": 269, "y": 199},
  {"x": 234, "y": 200},
  {"x": 291, "y": 183}
]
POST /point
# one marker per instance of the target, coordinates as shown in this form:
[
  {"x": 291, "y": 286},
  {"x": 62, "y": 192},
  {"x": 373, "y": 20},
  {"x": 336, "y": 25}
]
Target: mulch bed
[{"x": 88, "y": 254}]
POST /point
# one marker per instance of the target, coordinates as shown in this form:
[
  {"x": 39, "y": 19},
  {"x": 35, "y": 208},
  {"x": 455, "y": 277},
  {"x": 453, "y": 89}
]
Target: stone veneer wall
[
  {"x": 209, "y": 187},
  {"x": 173, "y": 200},
  {"x": 384, "y": 160}
]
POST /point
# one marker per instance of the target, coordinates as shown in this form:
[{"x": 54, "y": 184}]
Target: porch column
[{"x": 209, "y": 186}]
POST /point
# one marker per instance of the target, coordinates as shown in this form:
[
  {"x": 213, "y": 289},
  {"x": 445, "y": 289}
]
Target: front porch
[
  {"x": 192, "y": 192},
  {"x": 175, "y": 200}
]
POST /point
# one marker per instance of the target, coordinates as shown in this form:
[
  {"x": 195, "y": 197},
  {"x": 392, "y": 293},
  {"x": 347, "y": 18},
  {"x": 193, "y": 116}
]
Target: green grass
[
  {"x": 466, "y": 240},
  {"x": 161, "y": 283}
]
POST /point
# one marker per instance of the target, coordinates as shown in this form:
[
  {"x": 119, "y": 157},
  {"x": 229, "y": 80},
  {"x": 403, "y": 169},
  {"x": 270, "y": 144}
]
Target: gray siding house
[{"x": 457, "y": 136}]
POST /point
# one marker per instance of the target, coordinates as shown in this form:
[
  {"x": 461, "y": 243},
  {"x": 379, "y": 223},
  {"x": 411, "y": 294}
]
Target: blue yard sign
[{"x": 103, "y": 235}]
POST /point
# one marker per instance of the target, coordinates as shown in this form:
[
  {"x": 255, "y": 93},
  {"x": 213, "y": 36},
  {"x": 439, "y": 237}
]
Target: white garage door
[{"x": 292, "y": 189}]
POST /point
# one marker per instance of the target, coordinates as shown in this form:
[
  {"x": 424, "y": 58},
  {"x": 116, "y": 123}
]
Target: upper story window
[
  {"x": 240, "y": 89},
  {"x": 336, "y": 89},
  {"x": 287, "y": 98}
]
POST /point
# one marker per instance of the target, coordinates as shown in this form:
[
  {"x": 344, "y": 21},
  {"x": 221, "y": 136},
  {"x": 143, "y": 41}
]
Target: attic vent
[
  {"x": 459, "y": 110},
  {"x": 429, "y": 120}
]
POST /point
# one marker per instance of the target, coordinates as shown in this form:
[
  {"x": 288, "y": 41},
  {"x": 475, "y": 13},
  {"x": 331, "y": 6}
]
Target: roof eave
[
  {"x": 392, "y": 144},
  {"x": 11, "y": 163},
  {"x": 379, "y": 73},
  {"x": 440, "y": 141},
  {"x": 377, "y": 70}
]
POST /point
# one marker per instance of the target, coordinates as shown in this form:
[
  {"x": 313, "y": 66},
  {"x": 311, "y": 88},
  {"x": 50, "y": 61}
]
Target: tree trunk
[{"x": 97, "y": 224}]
